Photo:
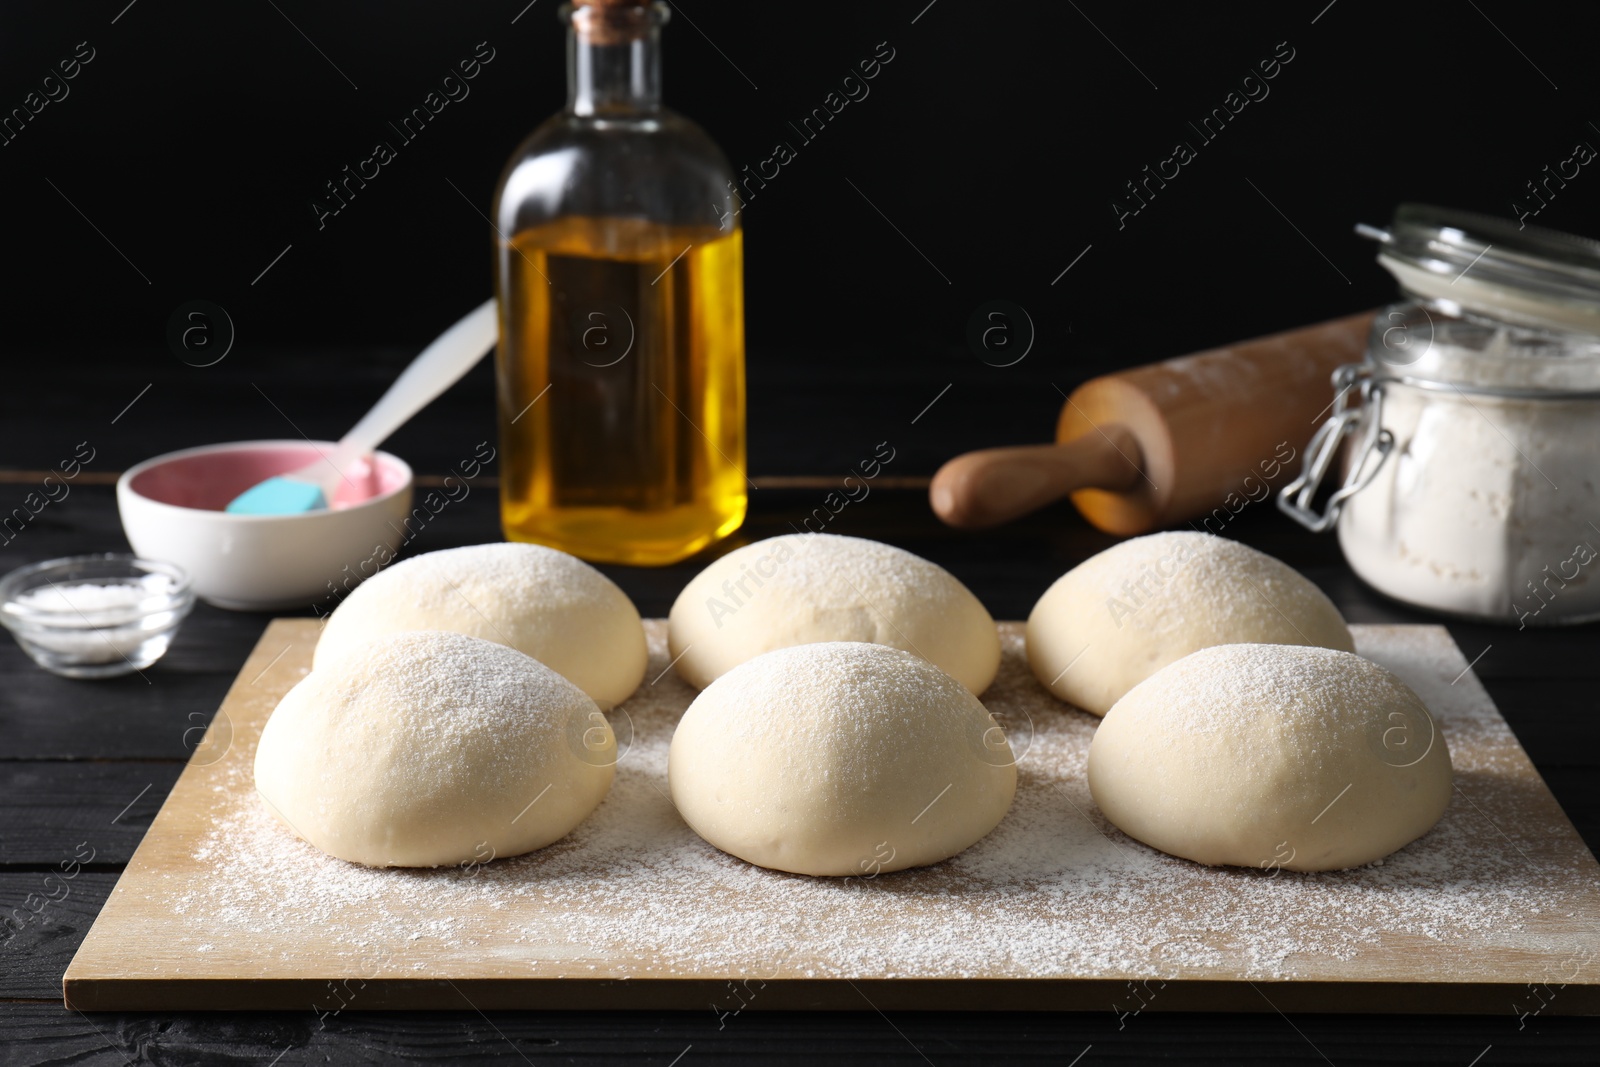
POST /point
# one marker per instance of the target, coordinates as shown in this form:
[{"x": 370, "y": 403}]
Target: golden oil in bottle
[{"x": 621, "y": 387}]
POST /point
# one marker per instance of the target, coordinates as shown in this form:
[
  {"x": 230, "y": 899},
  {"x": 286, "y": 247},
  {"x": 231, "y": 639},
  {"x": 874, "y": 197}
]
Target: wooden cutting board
[{"x": 1496, "y": 910}]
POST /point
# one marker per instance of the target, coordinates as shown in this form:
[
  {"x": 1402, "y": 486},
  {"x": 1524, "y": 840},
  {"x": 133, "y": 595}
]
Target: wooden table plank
[
  {"x": 1556, "y": 722},
  {"x": 1574, "y": 787},
  {"x": 39, "y": 1033},
  {"x": 115, "y": 718},
  {"x": 48, "y": 807},
  {"x": 44, "y": 915}
]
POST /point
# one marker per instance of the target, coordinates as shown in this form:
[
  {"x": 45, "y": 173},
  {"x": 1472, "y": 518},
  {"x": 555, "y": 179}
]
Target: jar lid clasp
[{"x": 1297, "y": 498}]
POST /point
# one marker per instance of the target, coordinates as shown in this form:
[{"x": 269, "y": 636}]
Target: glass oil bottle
[{"x": 619, "y": 272}]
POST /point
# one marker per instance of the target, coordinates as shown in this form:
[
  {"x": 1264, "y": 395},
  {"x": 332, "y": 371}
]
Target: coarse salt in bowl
[{"x": 95, "y": 616}]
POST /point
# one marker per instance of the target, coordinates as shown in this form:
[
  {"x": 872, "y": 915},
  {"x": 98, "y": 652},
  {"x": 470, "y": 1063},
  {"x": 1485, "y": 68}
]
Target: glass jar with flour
[{"x": 1470, "y": 435}]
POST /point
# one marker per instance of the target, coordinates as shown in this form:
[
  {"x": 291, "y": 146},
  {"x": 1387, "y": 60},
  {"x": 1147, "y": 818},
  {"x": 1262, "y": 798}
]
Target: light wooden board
[{"x": 1496, "y": 910}]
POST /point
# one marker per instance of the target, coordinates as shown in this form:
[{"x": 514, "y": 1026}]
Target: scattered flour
[{"x": 1055, "y": 890}]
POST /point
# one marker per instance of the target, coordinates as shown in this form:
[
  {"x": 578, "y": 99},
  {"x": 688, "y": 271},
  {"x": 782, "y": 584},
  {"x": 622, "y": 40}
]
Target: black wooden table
[{"x": 87, "y": 764}]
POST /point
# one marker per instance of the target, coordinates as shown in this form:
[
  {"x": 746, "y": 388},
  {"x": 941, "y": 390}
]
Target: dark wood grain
[
  {"x": 44, "y": 915},
  {"x": 134, "y": 717},
  {"x": 70, "y": 751},
  {"x": 46, "y": 1033},
  {"x": 44, "y": 804}
]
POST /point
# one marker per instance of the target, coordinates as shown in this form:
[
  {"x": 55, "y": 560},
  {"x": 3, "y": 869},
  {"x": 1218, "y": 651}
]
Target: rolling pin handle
[{"x": 995, "y": 485}]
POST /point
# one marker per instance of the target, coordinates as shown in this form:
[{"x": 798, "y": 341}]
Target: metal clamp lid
[{"x": 1296, "y": 499}]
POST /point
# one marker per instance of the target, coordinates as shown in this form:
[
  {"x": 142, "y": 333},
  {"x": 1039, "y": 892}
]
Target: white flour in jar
[{"x": 1487, "y": 505}]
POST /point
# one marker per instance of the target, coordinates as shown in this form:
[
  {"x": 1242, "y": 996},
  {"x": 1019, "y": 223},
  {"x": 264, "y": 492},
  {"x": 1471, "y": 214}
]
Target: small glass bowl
[{"x": 95, "y": 616}]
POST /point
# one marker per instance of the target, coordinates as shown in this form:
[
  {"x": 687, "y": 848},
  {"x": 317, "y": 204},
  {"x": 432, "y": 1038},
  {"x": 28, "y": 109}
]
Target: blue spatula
[{"x": 437, "y": 368}]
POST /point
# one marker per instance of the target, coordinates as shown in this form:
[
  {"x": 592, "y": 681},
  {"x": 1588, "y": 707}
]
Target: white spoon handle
[{"x": 436, "y": 369}]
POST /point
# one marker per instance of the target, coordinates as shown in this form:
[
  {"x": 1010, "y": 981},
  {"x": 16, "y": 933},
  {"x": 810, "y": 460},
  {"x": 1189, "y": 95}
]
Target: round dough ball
[
  {"x": 1118, "y": 617},
  {"x": 1271, "y": 756},
  {"x": 801, "y": 588},
  {"x": 840, "y": 758},
  {"x": 429, "y": 748},
  {"x": 552, "y": 606}
]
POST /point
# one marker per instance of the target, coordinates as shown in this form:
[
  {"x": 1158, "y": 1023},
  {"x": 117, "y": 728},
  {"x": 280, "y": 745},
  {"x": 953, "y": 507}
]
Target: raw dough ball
[
  {"x": 801, "y": 588},
  {"x": 552, "y": 606},
  {"x": 1120, "y": 616},
  {"x": 840, "y": 758},
  {"x": 427, "y": 748},
  {"x": 1271, "y": 756}
]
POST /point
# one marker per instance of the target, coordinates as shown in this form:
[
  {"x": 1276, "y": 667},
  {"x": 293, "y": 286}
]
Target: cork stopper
[{"x": 612, "y": 22}]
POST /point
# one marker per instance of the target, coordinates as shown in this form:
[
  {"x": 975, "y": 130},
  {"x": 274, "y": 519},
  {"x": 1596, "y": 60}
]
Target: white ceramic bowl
[{"x": 171, "y": 509}]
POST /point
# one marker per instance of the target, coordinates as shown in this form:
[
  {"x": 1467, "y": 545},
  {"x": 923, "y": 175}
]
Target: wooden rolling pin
[{"x": 1152, "y": 446}]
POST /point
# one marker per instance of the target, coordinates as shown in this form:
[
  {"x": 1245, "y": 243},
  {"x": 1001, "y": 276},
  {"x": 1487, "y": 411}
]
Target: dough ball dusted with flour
[
  {"x": 427, "y": 748},
  {"x": 1120, "y": 616},
  {"x": 1271, "y": 756},
  {"x": 802, "y": 588},
  {"x": 552, "y": 606},
  {"x": 840, "y": 758}
]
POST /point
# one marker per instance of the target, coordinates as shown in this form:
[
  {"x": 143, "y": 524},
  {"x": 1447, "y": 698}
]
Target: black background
[{"x": 994, "y": 141}]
